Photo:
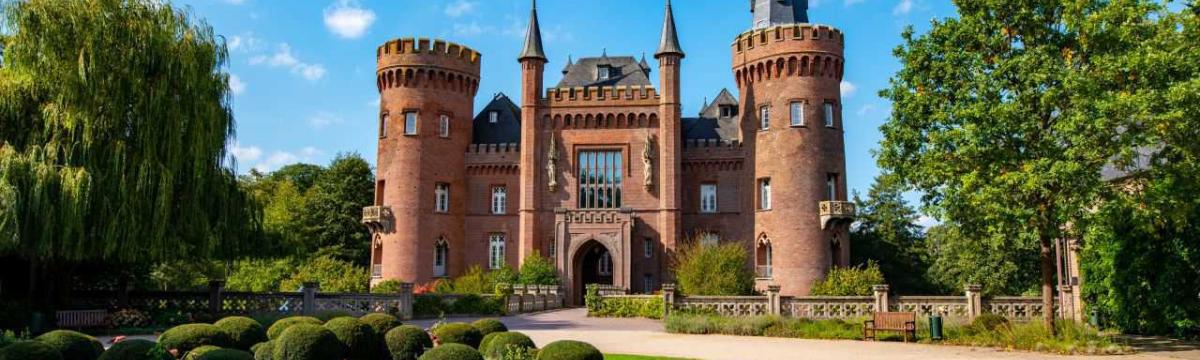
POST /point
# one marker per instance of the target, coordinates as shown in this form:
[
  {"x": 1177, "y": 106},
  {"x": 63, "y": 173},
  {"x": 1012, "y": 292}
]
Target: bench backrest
[
  {"x": 81, "y": 318},
  {"x": 893, "y": 320}
]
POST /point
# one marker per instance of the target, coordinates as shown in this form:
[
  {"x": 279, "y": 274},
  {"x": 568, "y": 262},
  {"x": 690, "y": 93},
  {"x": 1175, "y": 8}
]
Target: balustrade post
[
  {"x": 881, "y": 297},
  {"x": 215, "y": 288},
  {"x": 1066, "y": 307},
  {"x": 519, "y": 291},
  {"x": 406, "y": 301},
  {"x": 668, "y": 291},
  {"x": 974, "y": 300},
  {"x": 309, "y": 291},
  {"x": 773, "y": 305}
]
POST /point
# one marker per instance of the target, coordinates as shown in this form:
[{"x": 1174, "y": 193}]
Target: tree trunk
[{"x": 1047, "y": 259}]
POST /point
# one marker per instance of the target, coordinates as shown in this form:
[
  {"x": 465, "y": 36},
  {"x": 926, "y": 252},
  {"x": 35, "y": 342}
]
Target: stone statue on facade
[
  {"x": 648, "y": 155},
  {"x": 552, "y": 165}
]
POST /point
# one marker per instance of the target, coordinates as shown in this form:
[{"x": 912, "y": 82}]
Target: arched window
[
  {"x": 441, "y": 257},
  {"x": 763, "y": 258},
  {"x": 496, "y": 251}
]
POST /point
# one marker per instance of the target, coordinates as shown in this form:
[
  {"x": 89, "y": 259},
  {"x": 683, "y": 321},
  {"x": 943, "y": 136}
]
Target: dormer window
[
  {"x": 728, "y": 111},
  {"x": 604, "y": 72},
  {"x": 493, "y": 117}
]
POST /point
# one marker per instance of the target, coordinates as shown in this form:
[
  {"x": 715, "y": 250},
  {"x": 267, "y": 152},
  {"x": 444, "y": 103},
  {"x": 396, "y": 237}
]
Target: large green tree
[
  {"x": 1004, "y": 115},
  {"x": 332, "y": 214},
  {"x": 114, "y": 118},
  {"x": 888, "y": 234}
]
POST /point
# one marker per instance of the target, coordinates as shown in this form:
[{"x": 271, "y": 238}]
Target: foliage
[
  {"x": 498, "y": 344},
  {"x": 471, "y": 304},
  {"x": 452, "y": 352},
  {"x": 225, "y": 354},
  {"x": 476, "y": 281},
  {"x": 307, "y": 342},
  {"x": 243, "y": 332},
  {"x": 128, "y": 318},
  {"x": 458, "y": 333},
  {"x": 8, "y": 337},
  {"x": 488, "y": 326},
  {"x": 855, "y": 281},
  {"x": 425, "y": 305},
  {"x": 187, "y": 274},
  {"x": 989, "y": 321},
  {"x": 73, "y": 345},
  {"x": 359, "y": 340},
  {"x": 264, "y": 350},
  {"x": 592, "y": 299},
  {"x": 713, "y": 270},
  {"x": 390, "y": 286},
  {"x": 332, "y": 214},
  {"x": 959, "y": 259},
  {"x": 278, "y": 327},
  {"x": 197, "y": 352},
  {"x": 886, "y": 233},
  {"x": 407, "y": 342},
  {"x": 538, "y": 270},
  {"x": 774, "y": 326},
  {"x": 380, "y": 322},
  {"x": 136, "y": 349},
  {"x": 1070, "y": 338},
  {"x": 186, "y": 337},
  {"x": 618, "y": 306},
  {"x": 569, "y": 350},
  {"x": 332, "y": 274},
  {"x": 260, "y": 275},
  {"x": 30, "y": 350}
]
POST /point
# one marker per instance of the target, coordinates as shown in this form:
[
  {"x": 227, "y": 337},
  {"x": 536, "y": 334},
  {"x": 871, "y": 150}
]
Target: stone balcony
[
  {"x": 835, "y": 212},
  {"x": 378, "y": 218}
]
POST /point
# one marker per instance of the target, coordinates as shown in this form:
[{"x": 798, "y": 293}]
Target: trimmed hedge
[
  {"x": 458, "y": 333},
  {"x": 488, "y": 326},
  {"x": 244, "y": 332},
  {"x": 73, "y": 345},
  {"x": 136, "y": 349},
  {"x": 570, "y": 350},
  {"x": 307, "y": 342},
  {"x": 278, "y": 327},
  {"x": 407, "y": 342},
  {"x": 264, "y": 350},
  {"x": 380, "y": 322},
  {"x": 196, "y": 353},
  {"x": 646, "y": 307},
  {"x": 186, "y": 337},
  {"x": 225, "y": 354},
  {"x": 496, "y": 345},
  {"x": 359, "y": 341},
  {"x": 29, "y": 350},
  {"x": 452, "y": 352}
]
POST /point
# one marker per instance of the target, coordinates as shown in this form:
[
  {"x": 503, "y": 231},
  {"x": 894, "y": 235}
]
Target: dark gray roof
[
  {"x": 533, "y": 38},
  {"x": 626, "y": 72},
  {"x": 506, "y": 130},
  {"x": 769, "y": 13},
  {"x": 710, "y": 124},
  {"x": 669, "y": 42}
]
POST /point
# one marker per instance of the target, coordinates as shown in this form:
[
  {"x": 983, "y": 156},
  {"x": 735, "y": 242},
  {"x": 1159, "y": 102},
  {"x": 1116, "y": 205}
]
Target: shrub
[
  {"x": 458, "y": 333},
  {"x": 569, "y": 350},
  {"x": 989, "y": 321},
  {"x": 333, "y": 275},
  {"x": 184, "y": 338},
  {"x": 327, "y": 315},
  {"x": 496, "y": 345},
  {"x": 8, "y": 337},
  {"x": 225, "y": 354},
  {"x": 387, "y": 287},
  {"x": 429, "y": 305},
  {"x": 260, "y": 275},
  {"x": 359, "y": 340},
  {"x": 407, "y": 342},
  {"x": 854, "y": 281},
  {"x": 136, "y": 350},
  {"x": 488, "y": 326},
  {"x": 29, "y": 350},
  {"x": 243, "y": 332},
  {"x": 380, "y": 322},
  {"x": 306, "y": 342},
  {"x": 1071, "y": 338},
  {"x": 72, "y": 345},
  {"x": 472, "y": 304},
  {"x": 128, "y": 318},
  {"x": 646, "y": 307},
  {"x": 713, "y": 270},
  {"x": 264, "y": 350},
  {"x": 199, "y": 351},
  {"x": 538, "y": 270},
  {"x": 278, "y": 327},
  {"x": 452, "y": 352}
]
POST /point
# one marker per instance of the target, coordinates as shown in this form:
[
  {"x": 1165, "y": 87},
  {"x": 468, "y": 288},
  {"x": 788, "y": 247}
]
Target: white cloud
[
  {"x": 459, "y": 8},
  {"x": 925, "y": 221},
  {"x": 284, "y": 58},
  {"x": 276, "y": 160},
  {"x": 848, "y": 89},
  {"x": 245, "y": 42},
  {"x": 323, "y": 119},
  {"x": 236, "y": 85},
  {"x": 346, "y": 19},
  {"x": 865, "y": 109},
  {"x": 852, "y": 2},
  {"x": 472, "y": 29},
  {"x": 903, "y": 8},
  {"x": 244, "y": 153}
]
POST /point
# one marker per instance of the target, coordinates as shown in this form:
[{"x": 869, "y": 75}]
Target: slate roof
[
  {"x": 769, "y": 13},
  {"x": 533, "y": 38},
  {"x": 710, "y": 124},
  {"x": 506, "y": 130},
  {"x": 669, "y": 42},
  {"x": 627, "y": 72}
]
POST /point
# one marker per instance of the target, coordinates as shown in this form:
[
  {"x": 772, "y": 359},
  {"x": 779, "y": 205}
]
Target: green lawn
[{"x": 637, "y": 357}]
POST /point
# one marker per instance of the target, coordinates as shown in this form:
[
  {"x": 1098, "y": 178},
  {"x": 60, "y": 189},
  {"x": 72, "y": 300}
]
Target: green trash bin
[{"x": 935, "y": 327}]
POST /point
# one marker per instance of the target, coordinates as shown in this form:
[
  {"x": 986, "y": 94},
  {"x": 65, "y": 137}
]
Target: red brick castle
[{"x": 602, "y": 172}]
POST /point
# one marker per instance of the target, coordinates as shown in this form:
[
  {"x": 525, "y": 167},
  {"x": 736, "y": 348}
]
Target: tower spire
[
  {"x": 669, "y": 44},
  {"x": 533, "y": 38}
]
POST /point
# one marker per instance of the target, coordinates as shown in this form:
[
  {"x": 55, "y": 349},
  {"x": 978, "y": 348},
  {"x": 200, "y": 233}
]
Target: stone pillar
[
  {"x": 881, "y": 297},
  {"x": 406, "y": 301},
  {"x": 773, "y": 305},
  {"x": 309, "y": 290},
  {"x": 1076, "y": 279},
  {"x": 1066, "y": 303},
  {"x": 668, "y": 291},
  {"x": 215, "y": 288},
  {"x": 974, "y": 300}
]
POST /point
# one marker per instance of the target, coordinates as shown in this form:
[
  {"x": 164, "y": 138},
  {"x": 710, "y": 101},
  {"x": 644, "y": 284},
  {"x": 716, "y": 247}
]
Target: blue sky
[{"x": 304, "y": 70}]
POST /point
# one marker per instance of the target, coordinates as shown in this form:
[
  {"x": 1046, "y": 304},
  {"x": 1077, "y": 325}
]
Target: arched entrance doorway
[{"x": 593, "y": 264}]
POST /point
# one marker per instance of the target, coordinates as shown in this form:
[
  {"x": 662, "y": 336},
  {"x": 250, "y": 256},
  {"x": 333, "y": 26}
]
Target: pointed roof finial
[
  {"x": 570, "y": 63},
  {"x": 669, "y": 44},
  {"x": 533, "y": 38}
]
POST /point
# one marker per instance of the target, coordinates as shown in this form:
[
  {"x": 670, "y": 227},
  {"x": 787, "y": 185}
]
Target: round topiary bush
[
  {"x": 380, "y": 322},
  {"x": 184, "y": 338},
  {"x": 244, "y": 332},
  {"x": 452, "y": 352},
  {"x": 196, "y": 353},
  {"x": 359, "y": 341},
  {"x": 407, "y": 342},
  {"x": 136, "y": 349},
  {"x": 488, "y": 326},
  {"x": 458, "y": 333},
  {"x": 264, "y": 350},
  {"x": 569, "y": 350},
  {"x": 307, "y": 342},
  {"x": 29, "y": 350},
  {"x": 225, "y": 354},
  {"x": 73, "y": 345},
  {"x": 278, "y": 327},
  {"x": 989, "y": 321},
  {"x": 496, "y": 344}
]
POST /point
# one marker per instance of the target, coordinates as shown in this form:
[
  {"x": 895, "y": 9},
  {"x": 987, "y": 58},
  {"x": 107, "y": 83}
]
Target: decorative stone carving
[
  {"x": 552, "y": 165},
  {"x": 648, "y": 155}
]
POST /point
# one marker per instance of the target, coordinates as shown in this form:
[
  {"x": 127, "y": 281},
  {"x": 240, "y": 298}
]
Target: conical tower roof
[
  {"x": 533, "y": 38},
  {"x": 669, "y": 44}
]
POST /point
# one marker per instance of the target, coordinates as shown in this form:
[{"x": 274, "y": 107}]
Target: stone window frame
[
  {"x": 829, "y": 114},
  {"x": 499, "y": 199},
  {"x": 802, "y": 113},
  {"x": 441, "y": 197},
  {"x": 497, "y": 250},
  {"x": 715, "y": 205},
  {"x": 763, "y": 198},
  {"x": 764, "y": 117},
  {"x": 416, "y": 122},
  {"x": 621, "y": 168},
  {"x": 441, "y": 253}
]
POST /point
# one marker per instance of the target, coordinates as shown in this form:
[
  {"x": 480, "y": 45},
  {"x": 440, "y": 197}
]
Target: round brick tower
[
  {"x": 426, "y": 89},
  {"x": 789, "y": 77}
]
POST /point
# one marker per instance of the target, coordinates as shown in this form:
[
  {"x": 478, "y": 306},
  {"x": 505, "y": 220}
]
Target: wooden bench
[
  {"x": 79, "y": 319},
  {"x": 904, "y": 323}
]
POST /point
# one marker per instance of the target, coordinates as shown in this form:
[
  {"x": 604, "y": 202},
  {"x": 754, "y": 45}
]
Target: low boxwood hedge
[
  {"x": 307, "y": 342},
  {"x": 244, "y": 332},
  {"x": 380, "y": 322},
  {"x": 136, "y": 349},
  {"x": 73, "y": 345},
  {"x": 458, "y": 333},
  {"x": 279, "y": 326},
  {"x": 488, "y": 326},
  {"x": 452, "y": 352},
  {"x": 225, "y": 354},
  {"x": 497, "y": 344},
  {"x": 184, "y": 338},
  {"x": 569, "y": 350},
  {"x": 24, "y": 350},
  {"x": 196, "y": 353},
  {"x": 359, "y": 340},
  {"x": 264, "y": 350}
]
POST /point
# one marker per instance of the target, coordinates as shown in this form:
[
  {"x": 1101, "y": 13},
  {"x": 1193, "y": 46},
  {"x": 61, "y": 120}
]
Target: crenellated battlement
[
  {"x": 799, "y": 50},
  {"x": 795, "y": 32},
  {"x": 711, "y": 144},
  {"x": 494, "y": 148},
  {"x": 423, "y": 46},
  {"x": 627, "y": 95},
  {"x": 428, "y": 64}
]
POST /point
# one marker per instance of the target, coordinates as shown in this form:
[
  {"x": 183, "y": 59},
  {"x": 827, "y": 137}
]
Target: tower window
[
  {"x": 763, "y": 258},
  {"x": 829, "y": 115},
  {"x": 600, "y": 177},
  {"x": 380, "y": 187},
  {"x": 383, "y": 125},
  {"x": 764, "y": 194},
  {"x": 708, "y": 198},
  {"x": 444, "y": 126},
  {"x": 442, "y": 198},
  {"x": 831, "y": 187},
  {"x": 764, "y": 117},
  {"x": 499, "y": 200},
  {"x": 441, "y": 253},
  {"x": 797, "y": 113},
  {"x": 410, "y": 123},
  {"x": 493, "y": 117},
  {"x": 496, "y": 251}
]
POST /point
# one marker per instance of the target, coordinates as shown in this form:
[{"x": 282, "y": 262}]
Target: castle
[{"x": 602, "y": 173}]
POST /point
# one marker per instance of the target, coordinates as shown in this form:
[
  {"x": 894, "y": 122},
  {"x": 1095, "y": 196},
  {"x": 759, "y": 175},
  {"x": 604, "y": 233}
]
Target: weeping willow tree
[{"x": 114, "y": 117}]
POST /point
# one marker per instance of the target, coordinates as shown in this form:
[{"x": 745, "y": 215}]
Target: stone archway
[
  {"x": 579, "y": 233},
  {"x": 592, "y": 263}
]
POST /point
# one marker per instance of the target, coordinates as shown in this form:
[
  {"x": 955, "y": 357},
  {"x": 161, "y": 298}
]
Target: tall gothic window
[
  {"x": 441, "y": 198},
  {"x": 496, "y": 251},
  {"x": 441, "y": 253},
  {"x": 708, "y": 198},
  {"x": 600, "y": 176},
  {"x": 499, "y": 200},
  {"x": 763, "y": 259},
  {"x": 764, "y": 194}
]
